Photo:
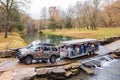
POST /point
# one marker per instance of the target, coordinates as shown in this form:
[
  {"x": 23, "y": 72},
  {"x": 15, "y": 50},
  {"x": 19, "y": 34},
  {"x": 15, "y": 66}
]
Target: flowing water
[{"x": 110, "y": 70}]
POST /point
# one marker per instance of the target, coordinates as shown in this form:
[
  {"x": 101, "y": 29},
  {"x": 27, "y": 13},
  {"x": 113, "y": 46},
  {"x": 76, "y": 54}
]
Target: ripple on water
[
  {"x": 110, "y": 70},
  {"x": 108, "y": 63}
]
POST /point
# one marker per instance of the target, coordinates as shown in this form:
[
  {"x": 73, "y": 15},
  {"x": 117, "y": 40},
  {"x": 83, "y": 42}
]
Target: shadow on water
[{"x": 46, "y": 38}]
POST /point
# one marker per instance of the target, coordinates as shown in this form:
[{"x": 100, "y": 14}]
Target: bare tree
[
  {"x": 112, "y": 10},
  {"x": 78, "y": 10},
  {"x": 43, "y": 21},
  {"x": 69, "y": 16},
  {"x": 8, "y": 7},
  {"x": 91, "y": 9},
  {"x": 62, "y": 18},
  {"x": 87, "y": 13},
  {"x": 83, "y": 15},
  {"x": 30, "y": 27}
]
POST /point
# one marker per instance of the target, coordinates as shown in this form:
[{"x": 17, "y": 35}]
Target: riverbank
[
  {"x": 13, "y": 41},
  {"x": 83, "y": 33}
]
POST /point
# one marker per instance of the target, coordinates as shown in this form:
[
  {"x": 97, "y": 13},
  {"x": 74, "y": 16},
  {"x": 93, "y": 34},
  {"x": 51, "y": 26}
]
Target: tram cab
[{"x": 78, "y": 47}]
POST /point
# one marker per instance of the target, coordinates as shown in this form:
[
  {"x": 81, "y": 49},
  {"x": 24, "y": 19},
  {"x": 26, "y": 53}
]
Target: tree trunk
[
  {"x": 5, "y": 34},
  {"x": 87, "y": 26}
]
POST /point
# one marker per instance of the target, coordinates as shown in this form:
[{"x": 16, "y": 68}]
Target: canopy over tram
[{"x": 78, "y": 41}]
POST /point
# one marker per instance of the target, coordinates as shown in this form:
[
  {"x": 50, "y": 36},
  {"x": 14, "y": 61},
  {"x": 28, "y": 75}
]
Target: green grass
[{"x": 83, "y": 33}]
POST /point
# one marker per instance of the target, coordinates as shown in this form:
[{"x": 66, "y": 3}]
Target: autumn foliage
[{"x": 89, "y": 14}]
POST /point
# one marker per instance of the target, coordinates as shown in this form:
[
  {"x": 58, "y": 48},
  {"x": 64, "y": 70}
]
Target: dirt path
[{"x": 12, "y": 64}]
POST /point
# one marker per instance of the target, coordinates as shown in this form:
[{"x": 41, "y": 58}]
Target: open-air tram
[{"x": 78, "y": 47}]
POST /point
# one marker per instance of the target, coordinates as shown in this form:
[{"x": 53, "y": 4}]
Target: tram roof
[{"x": 78, "y": 41}]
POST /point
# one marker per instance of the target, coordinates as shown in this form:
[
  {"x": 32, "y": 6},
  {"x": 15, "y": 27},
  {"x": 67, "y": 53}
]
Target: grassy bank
[
  {"x": 13, "y": 41},
  {"x": 83, "y": 33}
]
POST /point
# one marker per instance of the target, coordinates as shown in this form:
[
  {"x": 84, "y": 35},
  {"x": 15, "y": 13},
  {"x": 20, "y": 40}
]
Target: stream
[
  {"x": 46, "y": 38},
  {"x": 110, "y": 70}
]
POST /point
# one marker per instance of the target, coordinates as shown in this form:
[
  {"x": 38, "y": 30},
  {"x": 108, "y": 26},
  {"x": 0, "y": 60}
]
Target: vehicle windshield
[
  {"x": 29, "y": 46},
  {"x": 32, "y": 47}
]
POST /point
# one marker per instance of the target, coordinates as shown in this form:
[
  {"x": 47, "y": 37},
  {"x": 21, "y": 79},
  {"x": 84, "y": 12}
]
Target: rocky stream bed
[{"x": 65, "y": 72}]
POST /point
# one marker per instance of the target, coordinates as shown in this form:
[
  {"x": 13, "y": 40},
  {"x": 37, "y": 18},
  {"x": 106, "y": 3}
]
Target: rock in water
[
  {"x": 72, "y": 65},
  {"x": 89, "y": 64},
  {"x": 75, "y": 65},
  {"x": 42, "y": 71},
  {"x": 87, "y": 70},
  {"x": 56, "y": 77},
  {"x": 96, "y": 62},
  {"x": 67, "y": 67},
  {"x": 7, "y": 75},
  {"x": 46, "y": 71},
  {"x": 68, "y": 73},
  {"x": 74, "y": 70},
  {"x": 113, "y": 56},
  {"x": 24, "y": 73},
  {"x": 59, "y": 70}
]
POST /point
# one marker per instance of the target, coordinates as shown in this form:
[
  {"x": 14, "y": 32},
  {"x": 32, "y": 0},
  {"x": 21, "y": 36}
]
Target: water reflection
[{"x": 45, "y": 38}]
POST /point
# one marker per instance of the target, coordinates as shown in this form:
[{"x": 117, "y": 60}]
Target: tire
[
  {"x": 90, "y": 53},
  {"x": 53, "y": 59},
  {"x": 28, "y": 60},
  {"x": 93, "y": 52},
  {"x": 44, "y": 61},
  {"x": 20, "y": 60}
]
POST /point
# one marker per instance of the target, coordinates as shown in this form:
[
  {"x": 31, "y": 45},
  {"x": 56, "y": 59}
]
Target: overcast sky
[{"x": 36, "y": 5}]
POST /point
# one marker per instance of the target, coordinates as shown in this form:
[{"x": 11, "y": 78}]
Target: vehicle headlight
[{"x": 18, "y": 53}]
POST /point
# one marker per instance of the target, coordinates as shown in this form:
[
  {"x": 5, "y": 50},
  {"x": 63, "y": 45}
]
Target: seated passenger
[
  {"x": 65, "y": 49},
  {"x": 73, "y": 50},
  {"x": 81, "y": 48},
  {"x": 88, "y": 45},
  {"x": 93, "y": 47},
  {"x": 96, "y": 44},
  {"x": 69, "y": 51},
  {"x": 85, "y": 47},
  {"x": 77, "y": 49}
]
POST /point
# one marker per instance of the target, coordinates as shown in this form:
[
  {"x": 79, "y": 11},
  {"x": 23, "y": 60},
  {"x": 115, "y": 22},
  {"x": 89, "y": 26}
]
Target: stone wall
[
  {"x": 108, "y": 40},
  {"x": 7, "y": 53},
  {"x": 61, "y": 72},
  {"x": 54, "y": 73}
]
